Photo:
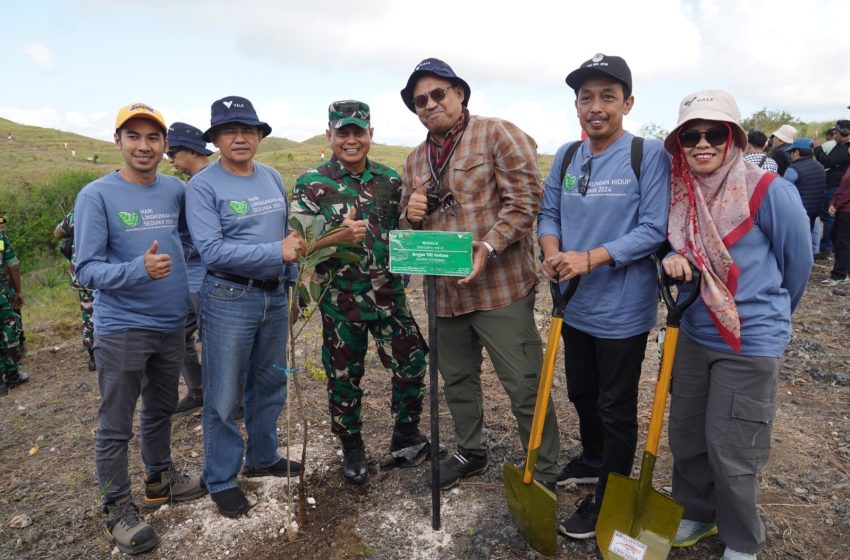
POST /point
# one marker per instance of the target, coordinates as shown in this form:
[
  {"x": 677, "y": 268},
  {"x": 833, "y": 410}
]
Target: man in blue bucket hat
[
  {"x": 237, "y": 211},
  {"x": 188, "y": 153}
]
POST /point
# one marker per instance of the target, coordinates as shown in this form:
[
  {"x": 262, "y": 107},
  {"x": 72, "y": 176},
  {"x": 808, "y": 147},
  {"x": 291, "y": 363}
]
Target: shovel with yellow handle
[
  {"x": 532, "y": 505},
  {"x": 636, "y": 522}
]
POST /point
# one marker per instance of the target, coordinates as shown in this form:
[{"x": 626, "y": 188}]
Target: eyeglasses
[
  {"x": 234, "y": 131},
  {"x": 584, "y": 179},
  {"x": 715, "y": 136},
  {"x": 437, "y": 94},
  {"x": 171, "y": 153}
]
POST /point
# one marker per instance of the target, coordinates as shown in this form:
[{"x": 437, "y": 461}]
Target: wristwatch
[{"x": 490, "y": 250}]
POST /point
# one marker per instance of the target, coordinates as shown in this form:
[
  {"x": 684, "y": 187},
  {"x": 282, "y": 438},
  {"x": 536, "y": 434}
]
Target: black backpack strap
[
  {"x": 637, "y": 155},
  {"x": 568, "y": 157}
]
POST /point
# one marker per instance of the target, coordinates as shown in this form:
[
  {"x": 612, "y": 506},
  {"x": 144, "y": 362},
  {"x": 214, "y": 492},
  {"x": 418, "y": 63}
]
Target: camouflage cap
[{"x": 341, "y": 113}]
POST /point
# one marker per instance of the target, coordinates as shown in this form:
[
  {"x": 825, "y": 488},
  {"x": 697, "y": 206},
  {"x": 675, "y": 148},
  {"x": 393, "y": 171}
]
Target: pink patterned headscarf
[{"x": 709, "y": 213}]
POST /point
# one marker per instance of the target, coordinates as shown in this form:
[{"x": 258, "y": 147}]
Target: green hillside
[{"x": 36, "y": 154}]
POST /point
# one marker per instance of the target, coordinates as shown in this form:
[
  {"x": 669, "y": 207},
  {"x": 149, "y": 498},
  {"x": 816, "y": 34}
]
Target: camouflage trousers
[
  {"x": 10, "y": 336},
  {"x": 400, "y": 347},
  {"x": 87, "y": 312}
]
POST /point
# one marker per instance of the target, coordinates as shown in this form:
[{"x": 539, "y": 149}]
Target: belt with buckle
[{"x": 267, "y": 284}]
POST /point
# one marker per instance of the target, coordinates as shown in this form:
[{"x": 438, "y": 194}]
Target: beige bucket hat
[{"x": 709, "y": 105}]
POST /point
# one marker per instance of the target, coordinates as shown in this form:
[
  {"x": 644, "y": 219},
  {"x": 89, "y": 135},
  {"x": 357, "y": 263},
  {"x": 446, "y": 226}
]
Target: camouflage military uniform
[
  {"x": 363, "y": 296},
  {"x": 10, "y": 324},
  {"x": 66, "y": 227}
]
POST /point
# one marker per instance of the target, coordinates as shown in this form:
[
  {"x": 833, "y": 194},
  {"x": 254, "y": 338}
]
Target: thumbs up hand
[
  {"x": 157, "y": 266},
  {"x": 355, "y": 229},
  {"x": 418, "y": 203}
]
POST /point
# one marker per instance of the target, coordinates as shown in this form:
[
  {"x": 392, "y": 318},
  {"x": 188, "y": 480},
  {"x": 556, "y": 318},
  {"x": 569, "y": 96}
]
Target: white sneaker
[
  {"x": 730, "y": 554},
  {"x": 834, "y": 282},
  {"x": 691, "y": 532}
]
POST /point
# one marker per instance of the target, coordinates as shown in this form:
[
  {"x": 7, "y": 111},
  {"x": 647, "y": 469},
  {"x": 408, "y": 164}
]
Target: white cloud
[{"x": 40, "y": 55}]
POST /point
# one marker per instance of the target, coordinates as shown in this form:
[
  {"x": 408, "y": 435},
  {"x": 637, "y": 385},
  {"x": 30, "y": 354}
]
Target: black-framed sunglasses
[
  {"x": 716, "y": 136},
  {"x": 171, "y": 153},
  {"x": 584, "y": 178},
  {"x": 437, "y": 94}
]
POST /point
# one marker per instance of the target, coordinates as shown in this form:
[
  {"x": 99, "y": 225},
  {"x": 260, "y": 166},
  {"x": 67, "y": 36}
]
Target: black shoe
[
  {"x": 281, "y": 468},
  {"x": 461, "y": 464},
  {"x": 4, "y": 389},
  {"x": 355, "y": 467},
  {"x": 231, "y": 502},
  {"x": 579, "y": 472},
  {"x": 92, "y": 364},
  {"x": 551, "y": 486},
  {"x": 582, "y": 523},
  {"x": 19, "y": 378},
  {"x": 409, "y": 447},
  {"x": 194, "y": 400}
]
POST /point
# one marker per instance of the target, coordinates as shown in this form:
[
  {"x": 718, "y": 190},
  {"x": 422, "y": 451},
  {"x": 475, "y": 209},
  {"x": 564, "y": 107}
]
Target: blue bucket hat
[
  {"x": 182, "y": 135},
  {"x": 234, "y": 109},
  {"x": 437, "y": 68},
  {"x": 800, "y": 144}
]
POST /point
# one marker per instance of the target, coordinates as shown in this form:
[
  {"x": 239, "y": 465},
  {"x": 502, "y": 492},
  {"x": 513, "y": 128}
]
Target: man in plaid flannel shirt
[{"x": 480, "y": 175}]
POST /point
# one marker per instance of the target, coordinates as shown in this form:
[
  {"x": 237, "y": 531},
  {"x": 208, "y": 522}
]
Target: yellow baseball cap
[{"x": 139, "y": 111}]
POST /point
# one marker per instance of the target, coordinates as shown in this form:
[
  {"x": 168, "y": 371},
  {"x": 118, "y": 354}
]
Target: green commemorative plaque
[{"x": 439, "y": 253}]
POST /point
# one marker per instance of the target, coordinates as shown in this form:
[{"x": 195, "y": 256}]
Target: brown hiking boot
[
  {"x": 172, "y": 486},
  {"x": 126, "y": 530}
]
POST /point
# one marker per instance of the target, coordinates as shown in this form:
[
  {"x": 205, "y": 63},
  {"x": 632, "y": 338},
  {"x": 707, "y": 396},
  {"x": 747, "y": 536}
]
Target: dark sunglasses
[
  {"x": 584, "y": 178},
  {"x": 171, "y": 153},
  {"x": 437, "y": 94},
  {"x": 715, "y": 136}
]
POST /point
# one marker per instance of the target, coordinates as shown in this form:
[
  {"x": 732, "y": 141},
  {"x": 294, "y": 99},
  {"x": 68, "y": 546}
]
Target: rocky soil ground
[{"x": 48, "y": 489}]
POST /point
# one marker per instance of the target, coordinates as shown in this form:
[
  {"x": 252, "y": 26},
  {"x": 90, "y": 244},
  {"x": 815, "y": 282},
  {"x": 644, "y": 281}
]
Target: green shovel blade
[{"x": 533, "y": 508}]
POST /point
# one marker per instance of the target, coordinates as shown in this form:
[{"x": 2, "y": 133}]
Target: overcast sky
[{"x": 71, "y": 64}]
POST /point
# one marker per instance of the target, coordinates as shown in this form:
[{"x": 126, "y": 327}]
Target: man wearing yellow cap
[{"x": 128, "y": 238}]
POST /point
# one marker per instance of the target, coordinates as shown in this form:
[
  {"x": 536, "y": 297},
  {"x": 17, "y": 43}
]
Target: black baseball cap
[
  {"x": 611, "y": 66},
  {"x": 438, "y": 68}
]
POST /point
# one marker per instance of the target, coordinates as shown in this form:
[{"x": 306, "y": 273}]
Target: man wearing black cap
[
  {"x": 836, "y": 163},
  {"x": 603, "y": 216},
  {"x": 189, "y": 155},
  {"x": 237, "y": 213},
  {"x": 362, "y": 196},
  {"x": 479, "y": 174}
]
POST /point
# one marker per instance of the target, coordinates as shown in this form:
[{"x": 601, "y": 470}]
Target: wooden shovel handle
[{"x": 544, "y": 387}]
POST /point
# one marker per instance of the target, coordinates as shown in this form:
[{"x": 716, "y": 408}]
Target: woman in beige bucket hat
[{"x": 745, "y": 230}]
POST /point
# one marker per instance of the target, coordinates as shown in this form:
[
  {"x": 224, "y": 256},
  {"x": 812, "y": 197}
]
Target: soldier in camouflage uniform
[
  {"x": 11, "y": 298},
  {"x": 362, "y": 196},
  {"x": 65, "y": 231}
]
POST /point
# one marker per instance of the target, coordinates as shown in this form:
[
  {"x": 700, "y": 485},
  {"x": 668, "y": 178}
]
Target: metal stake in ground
[{"x": 435, "y": 403}]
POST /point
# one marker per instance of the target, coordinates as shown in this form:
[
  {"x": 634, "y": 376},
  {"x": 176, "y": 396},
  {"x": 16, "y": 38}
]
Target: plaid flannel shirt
[{"x": 493, "y": 177}]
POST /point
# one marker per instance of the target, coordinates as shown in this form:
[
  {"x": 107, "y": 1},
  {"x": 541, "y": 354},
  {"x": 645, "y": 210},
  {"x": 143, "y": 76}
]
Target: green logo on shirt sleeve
[
  {"x": 239, "y": 207},
  {"x": 129, "y": 219}
]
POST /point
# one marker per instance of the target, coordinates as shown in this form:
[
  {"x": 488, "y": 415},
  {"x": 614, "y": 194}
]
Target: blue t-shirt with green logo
[
  {"x": 115, "y": 222},
  {"x": 625, "y": 215},
  {"x": 238, "y": 221}
]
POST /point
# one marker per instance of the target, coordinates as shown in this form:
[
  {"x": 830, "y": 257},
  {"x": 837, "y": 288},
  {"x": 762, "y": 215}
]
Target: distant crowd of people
[{"x": 216, "y": 256}]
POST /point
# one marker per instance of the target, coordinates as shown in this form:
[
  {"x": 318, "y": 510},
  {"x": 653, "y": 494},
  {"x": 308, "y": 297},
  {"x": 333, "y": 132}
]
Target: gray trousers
[
  {"x": 513, "y": 343},
  {"x": 721, "y": 418},
  {"x": 129, "y": 364},
  {"x": 191, "y": 365}
]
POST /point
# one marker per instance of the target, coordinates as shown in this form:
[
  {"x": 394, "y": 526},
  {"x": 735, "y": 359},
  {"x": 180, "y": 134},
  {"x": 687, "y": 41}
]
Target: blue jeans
[{"x": 243, "y": 337}]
